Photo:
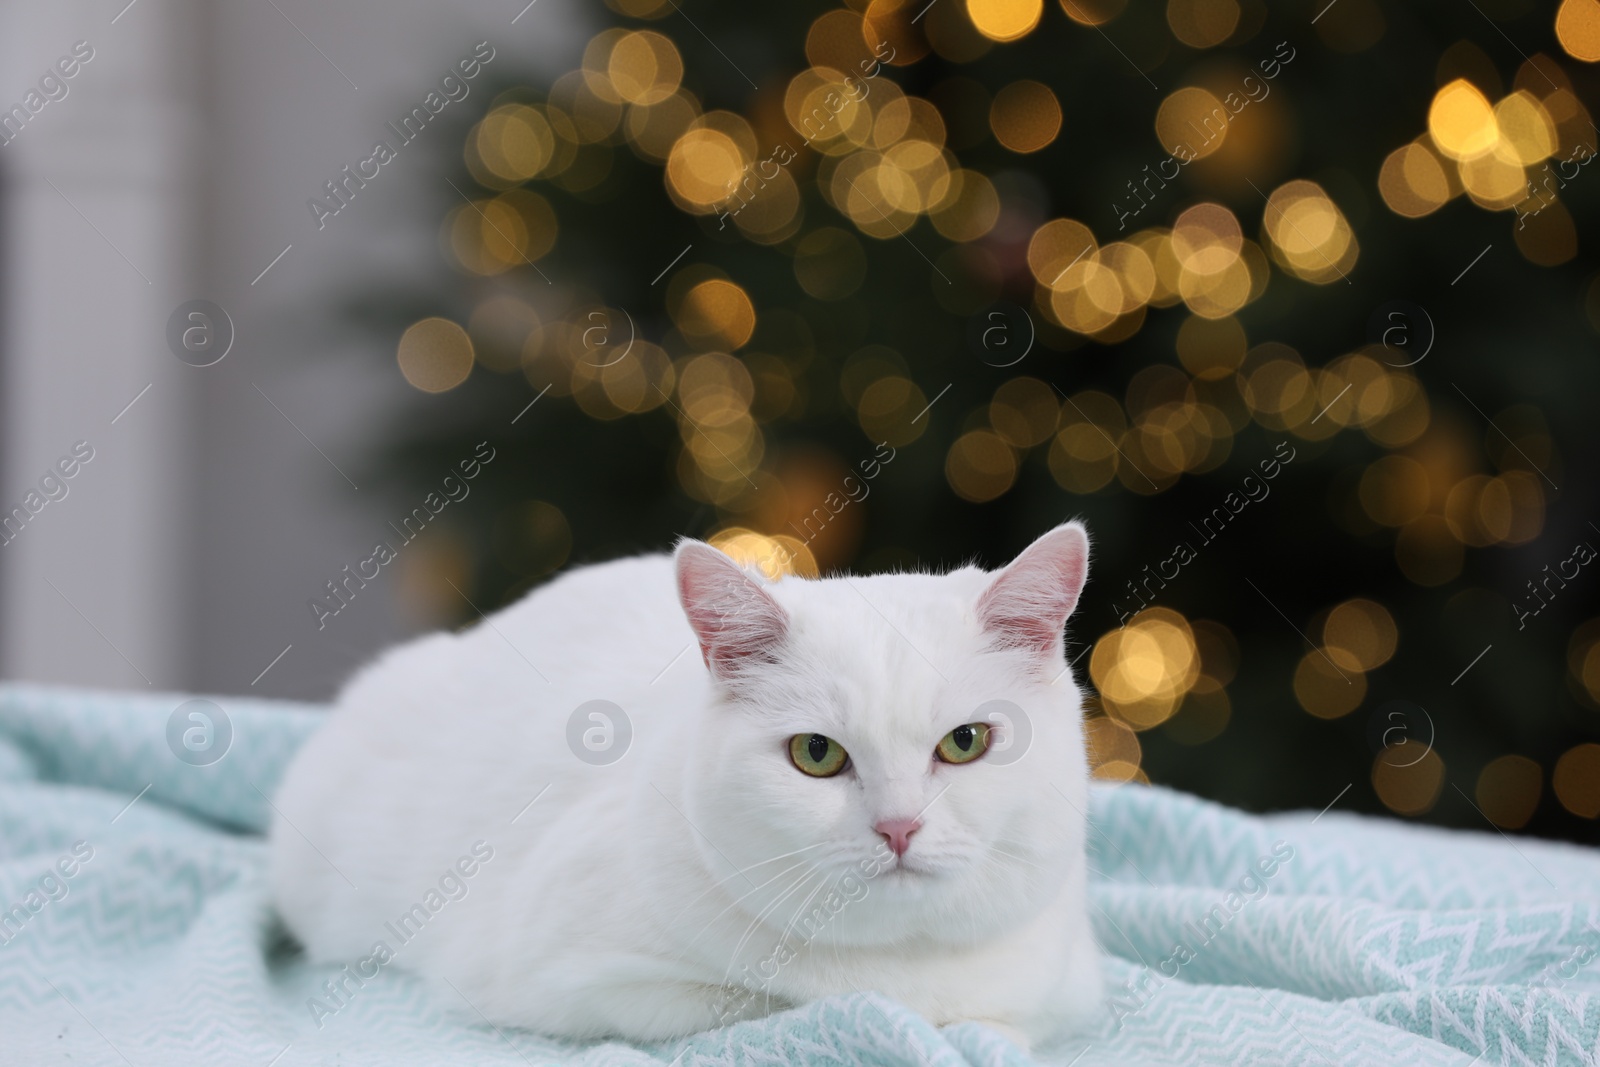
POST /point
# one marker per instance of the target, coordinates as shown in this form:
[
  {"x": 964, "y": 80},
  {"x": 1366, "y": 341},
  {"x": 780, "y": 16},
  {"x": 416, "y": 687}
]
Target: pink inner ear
[
  {"x": 1028, "y": 603},
  {"x": 735, "y": 620}
]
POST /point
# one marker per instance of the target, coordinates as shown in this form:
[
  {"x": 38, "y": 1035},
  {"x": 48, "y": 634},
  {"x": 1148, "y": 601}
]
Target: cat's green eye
[
  {"x": 964, "y": 744},
  {"x": 818, "y": 756}
]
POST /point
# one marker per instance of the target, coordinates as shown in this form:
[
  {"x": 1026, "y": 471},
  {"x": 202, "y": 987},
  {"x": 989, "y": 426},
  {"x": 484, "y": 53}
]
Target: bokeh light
[
  {"x": 1408, "y": 777},
  {"x": 1359, "y": 635},
  {"x": 1114, "y": 750},
  {"x": 1145, "y": 669},
  {"x": 980, "y": 466},
  {"x": 1508, "y": 791},
  {"x": 774, "y": 556},
  {"x": 1576, "y": 780},
  {"x": 645, "y": 67},
  {"x": 1308, "y": 234},
  {"x": 1025, "y": 116},
  {"x": 1191, "y": 123},
  {"x": 1325, "y": 689},
  {"x": 1578, "y": 28},
  {"x": 1202, "y": 23},
  {"x": 435, "y": 355},
  {"x": 1005, "y": 20}
]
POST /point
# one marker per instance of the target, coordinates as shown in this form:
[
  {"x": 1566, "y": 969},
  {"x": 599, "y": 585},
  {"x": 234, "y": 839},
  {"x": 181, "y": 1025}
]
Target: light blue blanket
[{"x": 137, "y": 929}]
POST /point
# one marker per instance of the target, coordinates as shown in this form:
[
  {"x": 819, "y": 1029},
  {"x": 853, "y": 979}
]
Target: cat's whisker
[
  {"x": 746, "y": 870},
  {"x": 1019, "y": 859},
  {"x": 783, "y": 938},
  {"x": 761, "y": 918},
  {"x": 734, "y": 903},
  {"x": 773, "y": 905},
  {"x": 801, "y": 910}
]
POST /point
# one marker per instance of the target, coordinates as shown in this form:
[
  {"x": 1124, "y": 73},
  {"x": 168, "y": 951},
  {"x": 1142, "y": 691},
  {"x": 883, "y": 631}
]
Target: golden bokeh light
[
  {"x": 1087, "y": 296},
  {"x": 970, "y": 208},
  {"x": 821, "y": 107},
  {"x": 1413, "y": 181},
  {"x": 835, "y": 41},
  {"x": 1576, "y": 780},
  {"x": 1157, "y": 247},
  {"x": 1191, "y": 123},
  {"x": 1508, "y": 791},
  {"x": 912, "y": 176},
  {"x": 769, "y": 210},
  {"x": 980, "y": 466},
  {"x": 1408, "y": 777},
  {"x": 1025, "y": 116},
  {"x": 1527, "y": 133},
  {"x": 716, "y": 312},
  {"x": 1578, "y": 29},
  {"x": 1144, "y": 670},
  {"x": 644, "y": 67},
  {"x": 1206, "y": 238},
  {"x": 435, "y": 355},
  {"x": 594, "y": 74},
  {"x": 775, "y": 556},
  {"x": 1326, "y": 689},
  {"x": 1025, "y": 412},
  {"x": 514, "y": 142},
  {"x": 1005, "y": 20},
  {"x": 1093, "y": 12},
  {"x": 1462, "y": 122},
  {"x": 1583, "y": 661},
  {"x": 1359, "y": 635},
  {"x": 1214, "y": 276},
  {"x": 1056, "y": 246},
  {"x": 490, "y": 236},
  {"x": 1492, "y": 182},
  {"x": 612, "y": 387},
  {"x": 890, "y": 28},
  {"x": 715, "y": 389},
  {"x": 1202, "y": 23},
  {"x": 888, "y": 410},
  {"x": 1113, "y": 748},
  {"x": 704, "y": 168},
  {"x": 1308, "y": 234},
  {"x": 1275, "y": 385},
  {"x": 591, "y": 104},
  {"x": 1083, "y": 456}
]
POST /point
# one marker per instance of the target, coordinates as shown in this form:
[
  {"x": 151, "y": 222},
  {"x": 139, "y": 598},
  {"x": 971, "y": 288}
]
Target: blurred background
[{"x": 324, "y": 325}]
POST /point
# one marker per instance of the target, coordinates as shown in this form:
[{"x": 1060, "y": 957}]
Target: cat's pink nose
[{"x": 897, "y": 832}]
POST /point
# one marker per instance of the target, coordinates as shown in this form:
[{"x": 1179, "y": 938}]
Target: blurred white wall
[{"x": 178, "y": 167}]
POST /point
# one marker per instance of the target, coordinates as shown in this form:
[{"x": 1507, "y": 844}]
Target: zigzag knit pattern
[{"x": 1374, "y": 942}]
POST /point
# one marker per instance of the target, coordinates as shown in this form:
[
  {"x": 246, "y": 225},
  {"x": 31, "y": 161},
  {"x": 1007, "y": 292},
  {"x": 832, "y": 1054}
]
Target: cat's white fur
[{"x": 636, "y": 899}]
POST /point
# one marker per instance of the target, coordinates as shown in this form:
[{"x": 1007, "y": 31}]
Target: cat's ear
[
  {"x": 1027, "y": 604},
  {"x": 736, "y": 621}
]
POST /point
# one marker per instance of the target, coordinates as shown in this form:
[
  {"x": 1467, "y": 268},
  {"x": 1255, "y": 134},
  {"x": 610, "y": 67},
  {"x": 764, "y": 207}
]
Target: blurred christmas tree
[{"x": 1287, "y": 302}]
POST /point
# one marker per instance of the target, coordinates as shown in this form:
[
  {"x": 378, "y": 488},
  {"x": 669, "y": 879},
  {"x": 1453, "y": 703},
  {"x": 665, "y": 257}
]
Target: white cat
[{"x": 873, "y": 783}]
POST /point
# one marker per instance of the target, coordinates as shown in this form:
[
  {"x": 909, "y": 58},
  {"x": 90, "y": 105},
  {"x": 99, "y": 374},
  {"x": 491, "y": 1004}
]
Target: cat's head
[{"x": 909, "y": 743}]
